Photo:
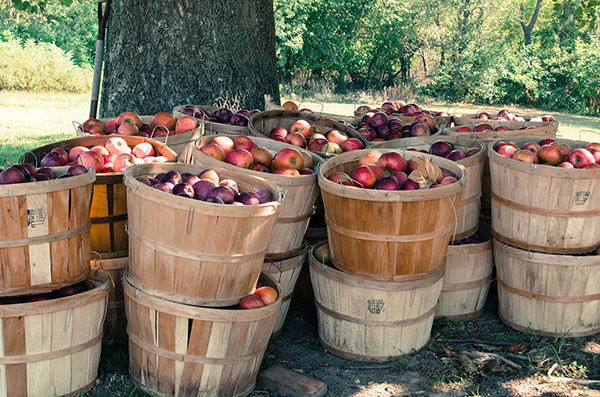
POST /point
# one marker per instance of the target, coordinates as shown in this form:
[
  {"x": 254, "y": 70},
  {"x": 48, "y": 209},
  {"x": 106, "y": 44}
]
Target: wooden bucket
[
  {"x": 542, "y": 131},
  {"x": 191, "y": 251},
  {"x": 471, "y": 119},
  {"x": 467, "y": 279},
  {"x": 115, "y": 324},
  {"x": 300, "y": 195},
  {"x": 389, "y": 235},
  {"x": 212, "y": 127},
  {"x": 544, "y": 208},
  {"x": 285, "y": 270},
  {"x": 555, "y": 295},
  {"x": 371, "y": 320},
  {"x": 45, "y": 234},
  {"x": 176, "y": 349},
  {"x": 52, "y": 348},
  {"x": 108, "y": 213},
  {"x": 262, "y": 123},
  {"x": 182, "y": 144},
  {"x": 470, "y": 203}
]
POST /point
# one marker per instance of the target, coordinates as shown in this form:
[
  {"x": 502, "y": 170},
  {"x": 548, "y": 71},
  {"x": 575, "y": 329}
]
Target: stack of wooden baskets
[
  {"x": 190, "y": 264},
  {"x": 286, "y": 250},
  {"x": 377, "y": 298},
  {"x": 545, "y": 226},
  {"x": 108, "y": 217},
  {"x": 51, "y": 308}
]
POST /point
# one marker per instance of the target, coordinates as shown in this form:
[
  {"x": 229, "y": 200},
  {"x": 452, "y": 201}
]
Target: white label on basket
[
  {"x": 40, "y": 266},
  {"x": 376, "y": 306},
  {"x": 581, "y": 197},
  {"x": 36, "y": 217}
]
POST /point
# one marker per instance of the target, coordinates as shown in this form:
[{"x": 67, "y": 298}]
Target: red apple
[
  {"x": 336, "y": 136},
  {"x": 525, "y": 156},
  {"x": 550, "y": 154},
  {"x": 101, "y": 150},
  {"x": 127, "y": 128},
  {"x": 224, "y": 142},
  {"x": 351, "y": 144},
  {"x": 506, "y": 150},
  {"x": 580, "y": 158},
  {"x": 364, "y": 176},
  {"x": 185, "y": 124},
  {"x": 279, "y": 131},
  {"x": 91, "y": 126},
  {"x": 75, "y": 151},
  {"x": 287, "y": 171},
  {"x": 296, "y": 139},
  {"x": 244, "y": 142},
  {"x": 591, "y": 166},
  {"x": 262, "y": 156},
  {"x": 593, "y": 145},
  {"x": 564, "y": 148},
  {"x": 464, "y": 128},
  {"x": 240, "y": 157},
  {"x": 251, "y": 302},
  {"x": 143, "y": 150},
  {"x": 308, "y": 160},
  {"x": 546, "y": 141},
  {"x": 483, "y": 127},
  {"x": 115, "y": 145},
  {"x": 130, "y": 117},
  {"x": 90, "y": 159},
  {"x": 230, "y": 183},
  {"x": 341, "y": 178},
  {"x": 378, "y": 171},
  {"x": 502, "y": 128},
  {"x": 302, "y": 127},
  {"x": 532, "y": 147},
  {"x": 441, "y": 148},
  {"x": 111, "y": 125},
  {"x": 392, "y": 162},
  {"x": 565, "y": 164},
  {"x": 213, "y": 150},
  {"x": 456, "y": 155},
  {"x": 596, "y": 154},
  {"x": 165, "y": 119},
  {"x": 122, "y": 161},
  {"x": 369, "y": 158},
  {"x": 288, "y": 158}
]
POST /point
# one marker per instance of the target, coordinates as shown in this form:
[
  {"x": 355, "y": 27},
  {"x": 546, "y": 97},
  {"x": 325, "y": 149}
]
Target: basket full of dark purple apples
[{"x": 218, "y": 120}]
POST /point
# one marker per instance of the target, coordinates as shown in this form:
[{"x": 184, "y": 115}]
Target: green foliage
[
  {"x": 39, "y": 67},
  {"x": 70, "y": 25}
]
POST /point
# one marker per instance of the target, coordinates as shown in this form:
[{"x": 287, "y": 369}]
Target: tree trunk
[
  {"x": 528, "y": 28},
  {"x": 424, "y": 60},
  {"x": 161, "y": 54}
]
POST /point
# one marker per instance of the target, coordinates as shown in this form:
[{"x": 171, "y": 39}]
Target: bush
[{"x": 41, "y": 67}]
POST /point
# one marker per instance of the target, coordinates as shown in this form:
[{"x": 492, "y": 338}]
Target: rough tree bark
[
  {"x": 161, "y": 54},
  {"x": 528, "y": 28}
]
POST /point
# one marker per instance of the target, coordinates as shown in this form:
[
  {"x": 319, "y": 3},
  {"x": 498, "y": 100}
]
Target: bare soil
[{"x": 453, "y": 363}]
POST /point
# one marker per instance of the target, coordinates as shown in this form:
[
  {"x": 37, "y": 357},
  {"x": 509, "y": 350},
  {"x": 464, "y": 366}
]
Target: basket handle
[
  {"x": 23, "y": 158},
  {"x": 78, "y": 128}
]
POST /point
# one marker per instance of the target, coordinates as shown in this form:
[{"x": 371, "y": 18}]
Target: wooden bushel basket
[
  {"x": 181, "y": 350},
  {"x": 191, "y": 251},
  {"x": 470, "y": 203},
  {"x": 262, "y": 123},
  {"x": 555, "y": 295},
  {"x": 212, "y": 127},
  {"x": 285, "y": 272},
  {"x": 371, "y": 320},
  {"x": 108, "y": 213},
  {"x": 182, "y": 144},
  {"x": 45, "y": 234},
  {"x": 300, "y": 194},
  {"x": 389, "y": 235},
  {"x": 471, "y": 119},
  {"x": 467, "y": 279},
  {"x": 543, "y": 208},
  {"x": 52, "y": 348},
  {"x": 115, "y": 324}
]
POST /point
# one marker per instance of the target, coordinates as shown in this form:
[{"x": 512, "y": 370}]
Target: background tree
[{"x": 163, "y": 54}]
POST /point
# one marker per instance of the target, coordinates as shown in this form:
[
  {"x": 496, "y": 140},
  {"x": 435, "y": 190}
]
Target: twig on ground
[{"x": 477, "y": 341}]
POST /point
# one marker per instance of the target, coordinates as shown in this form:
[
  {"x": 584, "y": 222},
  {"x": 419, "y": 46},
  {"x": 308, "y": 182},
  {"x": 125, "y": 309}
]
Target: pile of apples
[
  {"x": 485, "y": 127},
  {"x": 59, "y": 293},
  {"x": 387, "y": 171},
  {"x": 377, "y": 126},
  {"x": 23, "y": 173},
  {"x": 505, "y": 115},
  {"x": 447, "y": 150},
  {"x": 243, "y": 152},
  {"x": 306, "y": 136},
  {"x": 222, "y": 115},
  {"x": 130, "y": 123},
  {"x": 262, "y": 296},
  {"x": 400, "y": 108},
  {"x": 552, "y": 152},
  {"x": 206, "y": 186},
  {"x": 114, "y": 156}
]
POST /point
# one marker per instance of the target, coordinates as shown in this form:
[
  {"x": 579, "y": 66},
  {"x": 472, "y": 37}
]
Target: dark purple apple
[
  {"x": 49, "y": 172},
  {"x": 249, "y": 198},
  {"x": 172, "y": 176},
  {"x": 383, "y": 132},
  {"x": 53, "y": 159},
  {"x": 190, "y": 179},
  {"x": 41, "y": 177},
  {"x": 166, "y": 187},
  {"x": 29, "y": 168},
  {"x": 419, "y": 129},
  {"x": 145, "y": 181},
  {"x": 185, "y": 189},
  {"x": 153, "y": 181},
  {"x": 410, "y": 185},
  {"x": 401, "y": 177},
  {"x": 225, "y": 115},
  {"x": 11, "y": 175},
  {"x": 395, "y": 124},
  {"x": 387, "y": 183},
  {"x": 378, "y": 120},
  {"x": 202, "y": 187},
  {"x": 441, "y": 148},
  {"x": 160, "y": 176},
  {"x": 239, "y": 119},
  {"x": 456, "y": 155},
  {"x": 223, "y": 192},
  {"x": 264, "y": 195},
  {"x": 77, "y": 169}
]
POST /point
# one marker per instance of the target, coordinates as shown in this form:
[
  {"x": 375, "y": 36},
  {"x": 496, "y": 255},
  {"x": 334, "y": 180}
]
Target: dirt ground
[{"x": 453, "y": 363}]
